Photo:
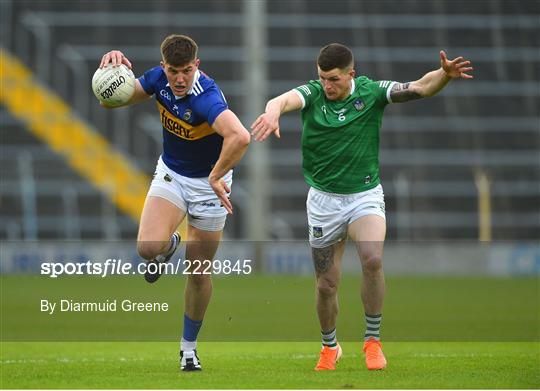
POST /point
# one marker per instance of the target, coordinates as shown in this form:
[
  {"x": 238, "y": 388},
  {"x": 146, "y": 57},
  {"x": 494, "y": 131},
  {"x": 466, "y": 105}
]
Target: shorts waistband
[
  {"x": 343, "y": 195},
  {"x": 226, "y": 177}
]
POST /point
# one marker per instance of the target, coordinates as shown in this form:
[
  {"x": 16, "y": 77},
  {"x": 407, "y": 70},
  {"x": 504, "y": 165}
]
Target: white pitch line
[{"x": 70, "y": 360}]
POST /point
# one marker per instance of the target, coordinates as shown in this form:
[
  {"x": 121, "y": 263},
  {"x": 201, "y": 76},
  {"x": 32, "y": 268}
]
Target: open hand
[
  {"x": 264, "y": 126},
  {"x": 457, "y": 68}
]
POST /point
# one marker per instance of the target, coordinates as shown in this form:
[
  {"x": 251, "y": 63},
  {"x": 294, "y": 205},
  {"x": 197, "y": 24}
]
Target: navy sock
[{"x": 191, "y": 329}]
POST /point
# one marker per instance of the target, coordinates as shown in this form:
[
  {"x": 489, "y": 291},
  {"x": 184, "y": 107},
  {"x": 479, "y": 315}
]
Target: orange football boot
[
  {"x": 328, "y": 358},
  {"x": 374, "y": 356}
]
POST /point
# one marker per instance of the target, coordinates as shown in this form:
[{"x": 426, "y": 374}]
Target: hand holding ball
[{"x": 113, "y": 86}]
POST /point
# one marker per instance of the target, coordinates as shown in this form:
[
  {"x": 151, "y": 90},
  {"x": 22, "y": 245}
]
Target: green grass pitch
[
  {"x": 262, "y": 332},
  {"x": 268, "y": 365}
]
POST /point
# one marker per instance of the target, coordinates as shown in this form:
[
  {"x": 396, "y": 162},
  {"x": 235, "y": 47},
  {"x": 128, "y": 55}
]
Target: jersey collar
[
  {"x": 353, "y": 87},
  {"x": 195, "y": 79}
]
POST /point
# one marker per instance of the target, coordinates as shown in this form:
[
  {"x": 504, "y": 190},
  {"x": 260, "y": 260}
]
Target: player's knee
[
  {"x": 200, "y": 281},
  {"x": 372, "y": 264},
  {"x": 149, "y": 250},
  {"x": 327, "y": 287}
]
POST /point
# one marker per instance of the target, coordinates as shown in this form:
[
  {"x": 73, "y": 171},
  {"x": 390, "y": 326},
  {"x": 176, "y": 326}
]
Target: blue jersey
[{"x": 190, "y": 146}]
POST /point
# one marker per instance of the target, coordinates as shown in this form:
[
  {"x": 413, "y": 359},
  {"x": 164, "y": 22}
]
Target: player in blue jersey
[{"x": 202, "y": 141}]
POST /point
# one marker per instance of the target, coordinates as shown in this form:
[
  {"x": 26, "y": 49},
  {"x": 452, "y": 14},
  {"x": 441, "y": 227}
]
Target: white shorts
[
  {"x": 193, "y": 195},
  {"x": 329, "y": 215}
]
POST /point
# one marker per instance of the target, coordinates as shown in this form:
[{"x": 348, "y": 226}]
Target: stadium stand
[{"x": 433, "y": 152}]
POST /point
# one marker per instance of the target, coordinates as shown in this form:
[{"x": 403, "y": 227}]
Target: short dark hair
[
  {"x": 335, "y": 55},
  {"x": 178, "y": 50}
]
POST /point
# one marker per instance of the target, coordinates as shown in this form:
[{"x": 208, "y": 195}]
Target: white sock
[{"x": 187, "y": 346}]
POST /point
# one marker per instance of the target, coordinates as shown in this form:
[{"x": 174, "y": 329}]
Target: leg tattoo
[{"x": 323, "y": 258}]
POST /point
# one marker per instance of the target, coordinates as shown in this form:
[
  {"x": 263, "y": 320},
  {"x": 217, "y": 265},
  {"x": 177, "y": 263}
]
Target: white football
[{"x": 113, "y": 86}]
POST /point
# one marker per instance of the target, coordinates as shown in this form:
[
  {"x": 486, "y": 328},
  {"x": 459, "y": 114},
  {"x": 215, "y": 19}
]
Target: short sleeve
[
  {"x": 211, "y": 104},
  {"x": 306, "y": 93},
  {"x": 382, "y": 89},
  {"x": 149, "y": 79}
]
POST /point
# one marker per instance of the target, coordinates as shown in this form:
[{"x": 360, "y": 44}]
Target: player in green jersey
[{"x": 341, "y": 116}]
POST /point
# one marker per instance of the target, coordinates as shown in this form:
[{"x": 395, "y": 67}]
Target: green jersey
[{"x": 340, "y": 139}]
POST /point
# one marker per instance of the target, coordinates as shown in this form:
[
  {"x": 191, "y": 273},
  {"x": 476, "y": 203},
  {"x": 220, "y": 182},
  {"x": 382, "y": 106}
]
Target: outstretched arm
[
  {"x": 432, "y": 82},
  {"x": 268, "y": 122}
]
